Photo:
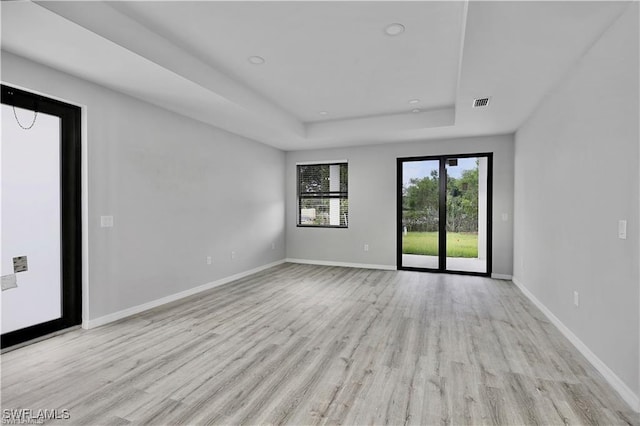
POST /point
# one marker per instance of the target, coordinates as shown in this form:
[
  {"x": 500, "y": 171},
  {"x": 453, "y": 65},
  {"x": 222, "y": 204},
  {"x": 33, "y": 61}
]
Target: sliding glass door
[
  {"x": 420, "y": 233},
  {"x": 444, "y": 213}
]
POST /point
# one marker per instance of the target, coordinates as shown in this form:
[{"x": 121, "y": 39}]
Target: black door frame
[
  {"x": 442, "y": 213},
  {"x": 70, "y": 212}
]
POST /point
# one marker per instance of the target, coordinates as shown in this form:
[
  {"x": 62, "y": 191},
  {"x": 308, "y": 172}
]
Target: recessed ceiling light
[
  {"x": 323, "y": 113},
  {"x": 256, "y": 60},
  {"x": 414, "y": 101},
  {"x": 415, "y": 110},
  {"x": 394, "y": 29}
]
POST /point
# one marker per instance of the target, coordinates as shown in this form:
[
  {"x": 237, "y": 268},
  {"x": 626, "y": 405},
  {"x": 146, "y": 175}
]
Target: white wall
[
  {"x": 30, "y": 217},
  {"x": 179, "y": 190},
  {"x": 576, "y": 175},
  {"x": 372, "y": 201}
]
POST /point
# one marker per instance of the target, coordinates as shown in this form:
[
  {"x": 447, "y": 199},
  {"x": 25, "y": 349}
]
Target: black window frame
[{"x": 321, "y": 195}]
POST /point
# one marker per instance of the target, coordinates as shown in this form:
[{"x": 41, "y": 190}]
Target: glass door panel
[
  {"x": 30, "y": 218},
  {"x": 444, "y": 206},
  {"x": 420, "y": 214},
  {"x": 466, "y": 206}
]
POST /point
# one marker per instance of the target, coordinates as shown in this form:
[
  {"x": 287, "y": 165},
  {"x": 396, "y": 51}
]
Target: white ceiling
[
  {"x": 332, "y": 56},
  {"x": 192, "y": 58}
]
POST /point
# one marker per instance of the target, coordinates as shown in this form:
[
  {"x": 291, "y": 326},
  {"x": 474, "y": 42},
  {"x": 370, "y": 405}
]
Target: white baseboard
[
  {"x": 625, "y": 392},
  {"x": 93, "y": 323},
  {"x": 345, "y": 264},
  {"x": 501, "y": 277}
]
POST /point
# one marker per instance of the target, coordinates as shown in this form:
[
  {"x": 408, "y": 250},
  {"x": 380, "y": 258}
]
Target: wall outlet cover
[
  {"x": 622, "y": 229},
  {"x": 106, "y": 221}
]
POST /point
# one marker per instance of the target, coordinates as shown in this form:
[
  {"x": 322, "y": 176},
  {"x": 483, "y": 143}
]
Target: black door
[
  {"x": 41, "y": 220},
  {"x": 444, "y": 213}
]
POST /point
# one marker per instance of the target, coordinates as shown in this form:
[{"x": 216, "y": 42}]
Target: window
[{"x": 323, "y": 199}]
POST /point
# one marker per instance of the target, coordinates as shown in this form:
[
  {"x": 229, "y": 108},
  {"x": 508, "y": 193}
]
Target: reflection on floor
[{"x": 453, "y": 263}]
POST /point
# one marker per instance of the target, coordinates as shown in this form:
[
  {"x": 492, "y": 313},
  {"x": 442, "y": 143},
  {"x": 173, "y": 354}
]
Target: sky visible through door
[{"x": 420, "y": 169}]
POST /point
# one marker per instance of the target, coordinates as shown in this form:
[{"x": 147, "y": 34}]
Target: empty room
[{"x": 320, "y": 212}]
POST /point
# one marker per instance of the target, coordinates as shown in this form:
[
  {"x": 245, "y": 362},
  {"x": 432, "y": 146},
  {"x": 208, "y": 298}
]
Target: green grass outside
[{"x": 426, "y": 244}]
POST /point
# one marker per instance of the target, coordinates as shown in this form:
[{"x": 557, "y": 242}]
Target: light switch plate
[
  {"x": 622, "y": 229},
  {"x": 106, "y": 221}
]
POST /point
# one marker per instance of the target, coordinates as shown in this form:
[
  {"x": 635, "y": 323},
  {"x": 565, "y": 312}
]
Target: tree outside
[{"x": 420, "y": 205}]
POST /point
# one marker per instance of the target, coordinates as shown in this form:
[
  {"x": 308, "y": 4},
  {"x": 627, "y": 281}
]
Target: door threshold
[
  {"x": 39, "y": 339},
  {"x": 446, "y": 271}
]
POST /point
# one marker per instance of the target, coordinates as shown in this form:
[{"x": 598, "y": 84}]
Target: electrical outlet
[
  {"x": 233, "y": 255},
  {"x": 622, "y": 229},
  {"x": 106, "y": 221},
  {"x": 209, "y": 260},
  {"x": 366, "y": 247},
  {"x": 576, "y": 298},
  {"x": 273, "y": 246}
]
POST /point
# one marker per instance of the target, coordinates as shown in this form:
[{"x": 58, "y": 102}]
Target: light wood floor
[{"x": 302, "y": 344}]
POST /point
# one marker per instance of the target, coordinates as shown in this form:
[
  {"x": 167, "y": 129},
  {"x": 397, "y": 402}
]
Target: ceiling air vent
[{"x": 480, "y": 102}]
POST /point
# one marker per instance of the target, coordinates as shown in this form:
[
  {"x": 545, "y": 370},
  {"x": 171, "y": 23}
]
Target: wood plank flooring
[{"x": 302, "y": 345}]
